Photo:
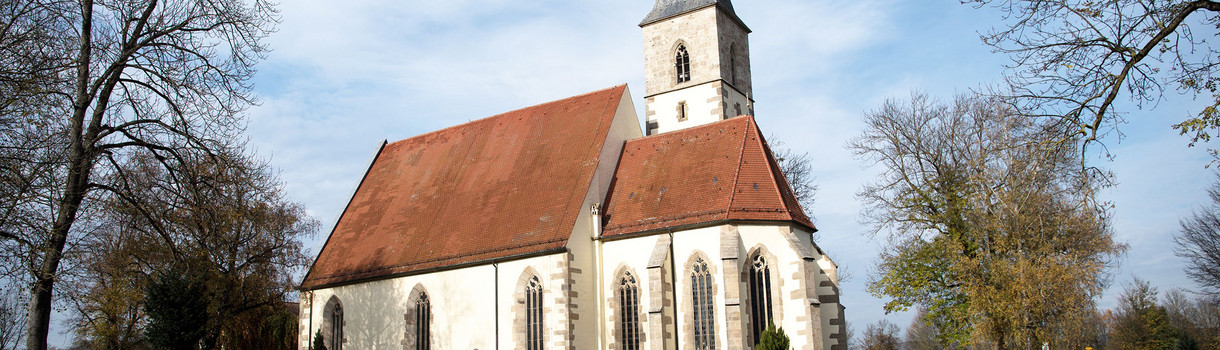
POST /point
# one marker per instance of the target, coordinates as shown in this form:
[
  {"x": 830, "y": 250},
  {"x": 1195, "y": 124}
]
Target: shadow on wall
[{"x": 372, "y": 317}]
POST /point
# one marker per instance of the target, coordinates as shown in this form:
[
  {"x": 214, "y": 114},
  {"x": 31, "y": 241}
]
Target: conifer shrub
[
  {"x": 318, "y": 342},
  {"x": 772, "y": 339}
]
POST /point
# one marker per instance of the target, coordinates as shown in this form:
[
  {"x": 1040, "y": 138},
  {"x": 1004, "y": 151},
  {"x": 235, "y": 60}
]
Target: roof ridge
[
  {"x": 781, "y": 182},
  {"x": 740, "y": 156},
  {"x": 772, "y": 164},
  {"x": 613, "y": 101},
  {"x": 491, "y": 117}
]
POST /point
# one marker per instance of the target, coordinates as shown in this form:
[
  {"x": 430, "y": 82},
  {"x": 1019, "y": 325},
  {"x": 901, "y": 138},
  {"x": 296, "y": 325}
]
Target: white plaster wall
[
  {"x": 663, "y": 108},
  {"x": 373, "y": 311},
  {"x": 551, "y": 273},
  {"x": 586, "y": 310},
  {"x": 793, "y": 307},
  {"x": 685, "y": 243},
  {"x": 627, "y": 255}
]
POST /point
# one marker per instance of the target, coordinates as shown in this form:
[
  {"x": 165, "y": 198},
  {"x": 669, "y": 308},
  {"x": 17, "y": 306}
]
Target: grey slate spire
[{"x": 669, "y": 8}]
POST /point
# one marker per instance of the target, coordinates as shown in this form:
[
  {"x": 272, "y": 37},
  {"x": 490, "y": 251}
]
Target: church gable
[
  {"x": 711, "y": 173},
  {"x": 507, "y": 185}
]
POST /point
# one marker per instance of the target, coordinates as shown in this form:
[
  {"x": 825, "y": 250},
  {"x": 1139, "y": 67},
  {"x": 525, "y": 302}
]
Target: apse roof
[
  {"x": 504, "y": 186},
  {"x": 718, "y": 172}
]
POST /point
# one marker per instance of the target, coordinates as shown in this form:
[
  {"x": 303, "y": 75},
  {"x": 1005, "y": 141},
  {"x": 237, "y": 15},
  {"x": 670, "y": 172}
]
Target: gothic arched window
[
  {"x": 682, "y": 64},
  {"x": 760, "y": 294},
  {"x": 701, "y": 299},
  {"x": 336, "y": 327},
  {"x": 629, "y": 307},
  {"x": 423, "y": 313},
  {"x": 533, "y": 314}
]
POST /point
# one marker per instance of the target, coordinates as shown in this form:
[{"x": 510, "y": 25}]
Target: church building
[{"x": 567, "y": 225}]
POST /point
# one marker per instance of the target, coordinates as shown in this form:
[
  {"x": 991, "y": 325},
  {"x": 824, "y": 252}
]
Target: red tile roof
[
  {"x": 716, "y": 172},
  {"x": 503, "y": 186}
]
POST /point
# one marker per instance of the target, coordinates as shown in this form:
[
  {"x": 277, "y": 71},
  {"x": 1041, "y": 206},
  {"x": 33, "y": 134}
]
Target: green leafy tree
[
  {"x": 1197, "y": 318},
  {"x": 1141, "y": 322},
  {"x": 177, "y": 311},
  {"x": 773, "y": 339},
  {"x": 991, "y": 226}
]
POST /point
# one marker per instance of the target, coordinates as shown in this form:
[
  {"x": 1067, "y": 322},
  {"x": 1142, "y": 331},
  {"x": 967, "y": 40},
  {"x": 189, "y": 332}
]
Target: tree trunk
[{"x": 79, "y": 168}]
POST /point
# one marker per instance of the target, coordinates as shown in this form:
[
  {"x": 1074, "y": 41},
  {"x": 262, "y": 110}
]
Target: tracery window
[
  {"x": 423, "y": 311},
  {"x": 533, "y": 314},
  {"x": 701, "y": 299},
  {"x": 336, "y": 327},
  {"x": 682, "y": 64},
  {"x": 629, "y": 307},
  {"x": 760, "y": 294}
]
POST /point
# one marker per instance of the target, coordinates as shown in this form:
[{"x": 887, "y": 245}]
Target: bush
[
  {"x": 318, "y": 342},
  {"x": 177, "y": 311},
  {"x": 772, "y": 339}
]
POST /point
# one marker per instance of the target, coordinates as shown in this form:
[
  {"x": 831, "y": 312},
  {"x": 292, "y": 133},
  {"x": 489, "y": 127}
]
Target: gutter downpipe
[
  {"x": 309, "y": 336},
  {"x": 496, "y": 296},
  {"x": 595, "y": 210},
  {"x": 673, "y": 281}
]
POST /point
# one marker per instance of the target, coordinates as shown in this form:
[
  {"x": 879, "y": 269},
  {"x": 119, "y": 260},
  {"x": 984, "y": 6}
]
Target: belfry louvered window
[
  {"x": 423, "y": 311},
  {"x": 533, "y": 314},
  {"x": 760, "y": 295},
  {"x": 682, "y": 64},
  {"x": 629, "y": 307},
  {"x": 701, "y": 299}
]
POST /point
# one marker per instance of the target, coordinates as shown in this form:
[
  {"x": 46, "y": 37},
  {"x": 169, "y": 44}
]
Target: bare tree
[
  {"x": 165, "y": 79},
  {"x": 1197, "y": 318},
  {"x": 12, "y": 319},
  {"x": 1199, "y": 243},
  {"x": 921, "y": 334},
  {"x": 225, "y": 219},
  {"x": 881, "y": 335},
  {"x": 990, "y": 226},
  {"x": 1073, "y": 60},
  {"x": 798, "y": 170}
]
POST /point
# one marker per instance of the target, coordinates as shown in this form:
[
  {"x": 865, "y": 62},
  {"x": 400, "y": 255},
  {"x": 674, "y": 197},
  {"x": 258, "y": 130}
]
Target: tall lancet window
[
  {"x": 760, "y": 295},
  {"x": 701, "y": 299},
  {"x": 336, "y": 329},
  {"x": 533, "y": 314},
  {"x": 682, "y": 64},
  {"x": 423, "y": 309},
  {"x": 629, "y": 306}
]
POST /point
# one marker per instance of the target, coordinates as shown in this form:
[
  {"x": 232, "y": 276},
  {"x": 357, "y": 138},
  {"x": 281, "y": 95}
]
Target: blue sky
[{"x": 346, "y": 74}]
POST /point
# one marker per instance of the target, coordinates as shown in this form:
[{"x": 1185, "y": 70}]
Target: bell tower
[{"x": 697, "y": 64}]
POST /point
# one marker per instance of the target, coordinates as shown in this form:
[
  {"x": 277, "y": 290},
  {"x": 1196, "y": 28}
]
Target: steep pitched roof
[
  {"x": 715, "y": 172},
  {"x": 502, "y": 186},
  {"x": 665, "y": 9}
]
